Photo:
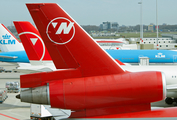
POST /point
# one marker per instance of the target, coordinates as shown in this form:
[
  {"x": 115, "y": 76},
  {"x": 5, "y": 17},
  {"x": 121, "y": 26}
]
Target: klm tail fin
[
  {"x": 8, "y": 42},
  {"x": 68, "y": 44},
  {"x": 32, "y": 42}
]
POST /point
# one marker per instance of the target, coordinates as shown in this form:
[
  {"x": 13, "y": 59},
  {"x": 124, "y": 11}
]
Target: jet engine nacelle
[{"x": 99, "y": 91}]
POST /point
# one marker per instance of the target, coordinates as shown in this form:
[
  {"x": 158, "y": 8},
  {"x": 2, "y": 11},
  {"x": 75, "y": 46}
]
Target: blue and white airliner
[
  {"x": 13, "y": 51},
  {"x": 155, "y": 56}
]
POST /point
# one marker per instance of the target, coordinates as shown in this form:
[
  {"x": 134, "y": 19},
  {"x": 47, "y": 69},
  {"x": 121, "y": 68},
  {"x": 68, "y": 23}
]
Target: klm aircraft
[
  {"x": 11, "y": 48},
  {"x": 13, "y": 51},
  {"x": 155, "y": 56},
  {"x": 16, "y": 56}
]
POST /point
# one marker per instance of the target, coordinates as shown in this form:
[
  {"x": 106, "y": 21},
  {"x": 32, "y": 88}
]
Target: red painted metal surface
[
  {"x": 120, "y": 63},
  {"x": 27, "y": 32},
  {"x": 40, "y": 79},
  {"x": 108, "y": 91},
  {"x": 80, "y": 52},
  {"x": 159, "y": 113},
  {"x": 97, "y": 86}
]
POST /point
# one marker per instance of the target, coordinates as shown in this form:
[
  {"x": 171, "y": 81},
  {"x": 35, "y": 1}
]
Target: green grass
[{"x": 135, "y": 35}]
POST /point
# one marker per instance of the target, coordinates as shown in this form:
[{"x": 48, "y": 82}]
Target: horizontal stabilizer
[
  {"x": 9, "y": 57},
  {"x": 172, "y": 87}
]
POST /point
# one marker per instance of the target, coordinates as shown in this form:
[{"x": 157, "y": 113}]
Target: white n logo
[{"x": 63, "y": 27}]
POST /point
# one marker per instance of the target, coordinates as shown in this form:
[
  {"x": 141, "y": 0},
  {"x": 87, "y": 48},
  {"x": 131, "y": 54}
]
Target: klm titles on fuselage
[{"x": 6, "y": 40}]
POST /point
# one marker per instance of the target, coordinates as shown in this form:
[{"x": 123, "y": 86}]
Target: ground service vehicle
[
  {"x": 13, "y": 87},
  {"x": 3, "y": 94}
]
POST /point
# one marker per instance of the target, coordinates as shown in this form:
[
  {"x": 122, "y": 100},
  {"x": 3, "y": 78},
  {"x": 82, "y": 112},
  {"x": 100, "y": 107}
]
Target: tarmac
[{"x": 14, "y": 109}]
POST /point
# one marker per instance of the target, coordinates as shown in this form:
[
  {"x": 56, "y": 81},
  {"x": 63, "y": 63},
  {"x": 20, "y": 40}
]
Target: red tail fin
[
  {"x": 32, "y": 41},
  {"x": 68, "y": 44}
]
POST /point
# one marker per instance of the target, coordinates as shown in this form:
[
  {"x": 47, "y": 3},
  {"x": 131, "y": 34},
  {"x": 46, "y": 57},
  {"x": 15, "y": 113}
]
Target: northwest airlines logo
[
  {"x": 40, "y": 47},
  {"x": 60, "y": 30},
  {"x": 6, "y": 40}
]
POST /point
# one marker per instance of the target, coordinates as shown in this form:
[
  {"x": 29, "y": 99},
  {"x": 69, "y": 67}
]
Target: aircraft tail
[
  {"x": 102, "y": 87},
  {"x": 32, "y": 42},
  {"x": 68, "y": 44},
  {"x": 8, "y": 42}
]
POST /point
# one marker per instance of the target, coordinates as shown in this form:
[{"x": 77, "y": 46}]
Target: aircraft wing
[
  {"x": 31, "y": 69},
  {"x": 58, "y": 113},
  {"x": 9, "y": 57},
  {"x": 172, "y": 87}
]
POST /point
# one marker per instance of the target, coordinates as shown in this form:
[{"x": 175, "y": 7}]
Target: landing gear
[
  {"x": 175, "y": 100},
  {"x": 169, "y": 100}
]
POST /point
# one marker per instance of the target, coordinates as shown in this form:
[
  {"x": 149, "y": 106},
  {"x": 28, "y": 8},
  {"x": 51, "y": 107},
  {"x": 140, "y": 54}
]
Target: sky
[{"x": 94, "y": 12}]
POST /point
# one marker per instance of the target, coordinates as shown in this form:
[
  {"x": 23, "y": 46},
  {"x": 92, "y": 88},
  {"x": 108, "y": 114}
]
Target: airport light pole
[
  {"x": 157, "y": 27},
  {"x": 141, "y": 21}
]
